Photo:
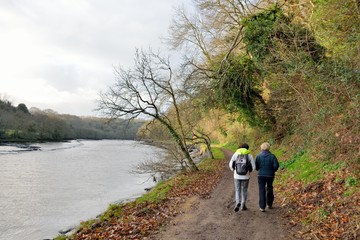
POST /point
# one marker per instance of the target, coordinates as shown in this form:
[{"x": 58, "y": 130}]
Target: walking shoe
[
  {"x": 270, "y": 207},
  {"x": 236, "y": 209},
  {"x": 261, "y": 209},
  {"x": 243, "y": 208}
]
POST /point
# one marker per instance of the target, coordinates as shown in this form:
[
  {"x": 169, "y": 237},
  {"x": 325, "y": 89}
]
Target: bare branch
[{"x": 148, "y": 89}]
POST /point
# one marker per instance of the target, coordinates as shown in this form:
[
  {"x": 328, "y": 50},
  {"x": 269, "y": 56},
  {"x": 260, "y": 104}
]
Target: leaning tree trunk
[{"x": 181, "y": 144}]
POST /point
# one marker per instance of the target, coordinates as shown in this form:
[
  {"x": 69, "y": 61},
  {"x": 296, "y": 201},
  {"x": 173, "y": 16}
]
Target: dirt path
[{"x": 214, "y": 218}]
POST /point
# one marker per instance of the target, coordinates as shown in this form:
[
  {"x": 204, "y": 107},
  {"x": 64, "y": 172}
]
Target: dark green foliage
[
  {"x": 259, "y": 31},
  {"x": 22, "y": 107},
  {"x": 274, "y": 44},
  {"x": 271, "y": 37},
  {"x": 236, "y": 89},
  {"x": 238, "y": 81}
]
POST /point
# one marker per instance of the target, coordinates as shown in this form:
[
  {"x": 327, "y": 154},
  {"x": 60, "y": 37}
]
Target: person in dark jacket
[{"x": 266, "y": 164}]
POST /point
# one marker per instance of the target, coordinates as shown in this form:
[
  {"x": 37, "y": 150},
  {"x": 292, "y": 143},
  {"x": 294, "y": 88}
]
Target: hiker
[
  {"x": 241, "y": 179},
  {"x": 267, "y": 164}
]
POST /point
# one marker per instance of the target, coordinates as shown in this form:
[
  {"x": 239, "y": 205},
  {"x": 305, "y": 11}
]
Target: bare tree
[
  {"x": 164, "y": 164},
  {"x": 214, "y": 29},
  {"x": 220, "y": 62},
  {"x": 147, "y": 90},
  {"x": 209, "y": 35}
]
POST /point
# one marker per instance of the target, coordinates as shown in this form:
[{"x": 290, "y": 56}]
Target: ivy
[
  {"x": 259, "y": 30},
  {"x": 236, "y": 90}
]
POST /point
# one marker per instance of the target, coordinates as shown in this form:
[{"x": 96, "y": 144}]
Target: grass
[
  {"x": 114, "y": 210},
  {"x": 278, "y": 152},
  {"x": 229, "y": 145},
  {"x": 321, "y": 195},
  {"x": 156, "y": 195},
  {"x": 351, "y": 185},
  {"x": 61, "y": 237},
  {"x": 306, "y": 169},
  {"x": 218, "y": 154}
]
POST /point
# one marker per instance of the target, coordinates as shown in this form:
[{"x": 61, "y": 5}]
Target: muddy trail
[{"x": 214, "y": 218}]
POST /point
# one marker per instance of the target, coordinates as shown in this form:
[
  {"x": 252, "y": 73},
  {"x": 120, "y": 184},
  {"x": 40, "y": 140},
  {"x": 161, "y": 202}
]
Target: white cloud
[{"x": 60, "y": 54}]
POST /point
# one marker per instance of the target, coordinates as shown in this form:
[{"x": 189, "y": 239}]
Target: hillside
[{"x": 19, "y": 124}]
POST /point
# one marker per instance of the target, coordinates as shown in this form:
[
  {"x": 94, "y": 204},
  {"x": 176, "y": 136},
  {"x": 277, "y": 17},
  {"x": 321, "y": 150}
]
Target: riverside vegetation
[
  {"x": 19, "y": 124},
  {"x": 285, "y": 72}
]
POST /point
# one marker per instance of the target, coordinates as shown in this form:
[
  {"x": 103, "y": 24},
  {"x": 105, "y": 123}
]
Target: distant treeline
[{"x": 21, "y": 124}]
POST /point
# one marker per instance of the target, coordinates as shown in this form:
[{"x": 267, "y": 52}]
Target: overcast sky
[{"x": 59, "y": 54}]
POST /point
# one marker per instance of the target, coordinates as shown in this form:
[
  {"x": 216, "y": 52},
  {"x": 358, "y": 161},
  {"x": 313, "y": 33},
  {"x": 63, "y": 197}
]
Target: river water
[{"x": 42, "y": 192}]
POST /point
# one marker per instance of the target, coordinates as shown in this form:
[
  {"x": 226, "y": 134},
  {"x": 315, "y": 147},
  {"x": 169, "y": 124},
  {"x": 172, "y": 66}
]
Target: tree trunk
[{"x": 181, "y": 144}]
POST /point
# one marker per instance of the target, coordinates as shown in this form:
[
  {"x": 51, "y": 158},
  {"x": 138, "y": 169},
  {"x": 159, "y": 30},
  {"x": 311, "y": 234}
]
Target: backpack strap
[{"x": 248, "y": 163}]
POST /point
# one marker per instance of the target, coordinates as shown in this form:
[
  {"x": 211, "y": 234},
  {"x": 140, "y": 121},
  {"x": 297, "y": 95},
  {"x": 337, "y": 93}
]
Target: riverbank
[
  {"x": 17, "y": 147},
  {"x": 66, "y": 183},
  {"x": 191, "y": 205},
  {"x": 144, "y": 217}
]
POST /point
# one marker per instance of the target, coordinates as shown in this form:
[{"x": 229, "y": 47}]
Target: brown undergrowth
[
  {"x": 141, "y": 219},
  {"x": 323, "y": 209}
]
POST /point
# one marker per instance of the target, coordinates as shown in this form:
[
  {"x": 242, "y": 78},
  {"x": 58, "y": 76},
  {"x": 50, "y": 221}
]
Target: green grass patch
[
  {"x": 302, "y": 167},
  {"x": 352, "y": 186},
  {"x": 156, "y": 195},
  {"x": 308, "y": 171},
  {"x": 229, "y": 145},
  {"x": 61, "y": 237},
  {"x": 114, "y": 210},
  {"x": 330, "y": 167},
  {"x": 351, "y": 182},
  {"x": 278, "y": 152},
  {"x": 288, "y": 163},
  {"x": 87, "y": 224},
  {"x": 218, "y": 154},
  {"x": 305, "y": 170}
]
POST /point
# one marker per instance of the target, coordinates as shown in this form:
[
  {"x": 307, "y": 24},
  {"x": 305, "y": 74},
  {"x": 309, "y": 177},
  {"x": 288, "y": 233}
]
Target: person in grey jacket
[
  {"x": 266, "y": 164},
  {"x": 241, "y": 182}
]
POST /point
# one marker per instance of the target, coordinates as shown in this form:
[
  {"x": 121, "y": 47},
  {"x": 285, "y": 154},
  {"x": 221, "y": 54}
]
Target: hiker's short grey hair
[{"x": 265, "y": 146}]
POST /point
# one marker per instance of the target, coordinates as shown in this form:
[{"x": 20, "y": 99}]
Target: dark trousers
[{"x": 266, "y": 194}]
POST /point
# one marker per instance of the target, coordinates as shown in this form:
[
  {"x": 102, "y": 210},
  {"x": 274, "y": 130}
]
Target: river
[{"x": 56, "y": 187}]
